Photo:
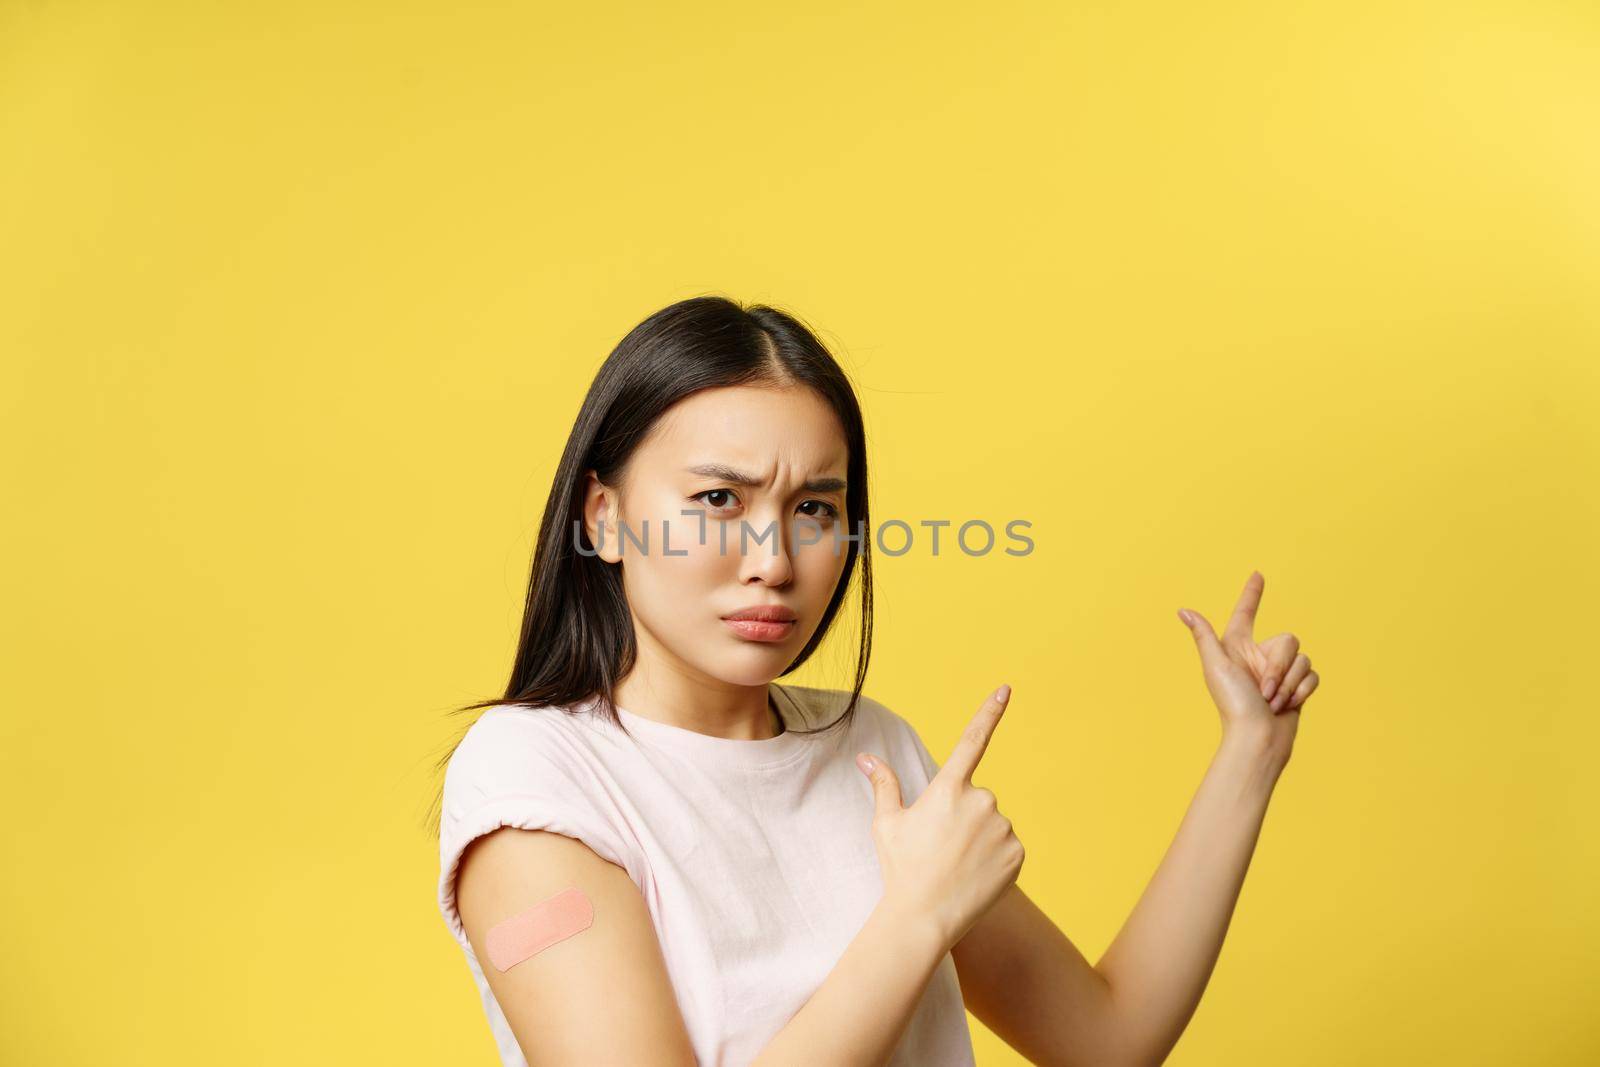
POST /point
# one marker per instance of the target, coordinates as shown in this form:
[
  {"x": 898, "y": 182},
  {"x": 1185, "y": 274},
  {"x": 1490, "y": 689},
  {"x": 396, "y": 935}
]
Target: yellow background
[{"x": 298, "y": 301}]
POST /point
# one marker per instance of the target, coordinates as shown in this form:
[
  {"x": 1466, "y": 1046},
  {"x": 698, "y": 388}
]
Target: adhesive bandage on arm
[{"x": 531, "y": 932}]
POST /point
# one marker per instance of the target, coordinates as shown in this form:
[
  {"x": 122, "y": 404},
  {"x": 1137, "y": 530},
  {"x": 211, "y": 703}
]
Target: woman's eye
[
  {"x": 828, "y": 510},
  {"x": 713, "y": 492}
]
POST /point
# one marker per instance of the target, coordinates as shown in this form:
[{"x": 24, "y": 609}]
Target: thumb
[
  {"x": 1204, "y": 637},
  {"x": 885, "y": 786}
]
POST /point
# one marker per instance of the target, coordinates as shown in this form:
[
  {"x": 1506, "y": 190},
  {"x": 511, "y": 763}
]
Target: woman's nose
[{"x": 766, "y": 554}]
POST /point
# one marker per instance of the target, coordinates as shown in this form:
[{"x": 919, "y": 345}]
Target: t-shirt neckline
[{"x": 741, "y": 751}]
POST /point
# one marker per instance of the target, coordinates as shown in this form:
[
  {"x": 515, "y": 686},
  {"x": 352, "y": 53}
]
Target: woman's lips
[{"x": 754, "y": 630}]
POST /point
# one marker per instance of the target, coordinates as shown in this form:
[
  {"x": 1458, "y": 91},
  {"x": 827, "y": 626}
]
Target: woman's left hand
[{"x": 1258, "y": 688}]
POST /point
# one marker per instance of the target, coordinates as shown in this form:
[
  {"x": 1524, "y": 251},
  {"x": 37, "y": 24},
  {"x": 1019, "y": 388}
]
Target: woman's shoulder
[
  {"x": 822, "y": 705},
  {"x": 533, "y": 768},
  {"x": 512, "y": 746},
  {"x": 872, "y": 716},
  {"x": 518, "y": 725}
]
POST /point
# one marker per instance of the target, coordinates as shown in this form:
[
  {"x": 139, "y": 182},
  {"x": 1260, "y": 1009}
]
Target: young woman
[{"x": 651, "y": 853}]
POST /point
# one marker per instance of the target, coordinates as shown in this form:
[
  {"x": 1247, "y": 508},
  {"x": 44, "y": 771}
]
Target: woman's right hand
[{"x": 952, "y": 854}]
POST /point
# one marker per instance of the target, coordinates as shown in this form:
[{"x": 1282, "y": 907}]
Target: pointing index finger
[
  {"x": 975, "y": 738},
  {"x": 1243, "y": 621}
]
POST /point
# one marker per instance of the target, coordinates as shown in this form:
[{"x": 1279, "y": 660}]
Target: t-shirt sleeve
[{"x": 518, "y": 768}]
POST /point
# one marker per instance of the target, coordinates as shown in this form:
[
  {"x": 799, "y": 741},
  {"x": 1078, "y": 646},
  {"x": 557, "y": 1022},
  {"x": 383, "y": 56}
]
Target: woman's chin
[{"x": 754, "y": 667}]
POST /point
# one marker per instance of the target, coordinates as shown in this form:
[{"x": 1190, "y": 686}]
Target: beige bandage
[{"x": 531, "y": 932}]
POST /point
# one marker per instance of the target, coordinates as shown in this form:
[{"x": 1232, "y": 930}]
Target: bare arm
[
  {"x": 1030, "y": 985},
  {"x": 601, "y": 995},
  {"x": 1160, "y": 961}
]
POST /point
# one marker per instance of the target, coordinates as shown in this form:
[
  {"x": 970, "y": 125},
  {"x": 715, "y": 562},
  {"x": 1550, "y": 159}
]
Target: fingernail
[
  {"x": 866, "y": 763},
  {"x": 1266, "y": 690},
  {"x": 1003, "y": 694},
  {"x": 1184, "y": 616}
]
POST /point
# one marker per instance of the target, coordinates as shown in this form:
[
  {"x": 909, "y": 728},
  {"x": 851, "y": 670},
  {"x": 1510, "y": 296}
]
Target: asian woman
[{"x": 652, "y": 852}]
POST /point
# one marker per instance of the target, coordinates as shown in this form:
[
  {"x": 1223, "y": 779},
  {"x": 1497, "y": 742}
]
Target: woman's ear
[{"x": 601, "y": 518}]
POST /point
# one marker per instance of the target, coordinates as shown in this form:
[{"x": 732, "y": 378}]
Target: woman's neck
[{"x": 739, "y": 714}]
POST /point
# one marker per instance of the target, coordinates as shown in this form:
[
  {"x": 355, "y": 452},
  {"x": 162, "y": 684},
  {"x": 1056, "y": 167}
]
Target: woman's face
[{"x": 737, "y": 479}]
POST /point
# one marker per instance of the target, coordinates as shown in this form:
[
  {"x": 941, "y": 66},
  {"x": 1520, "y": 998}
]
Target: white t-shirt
[{"x": 755, "y": 858}]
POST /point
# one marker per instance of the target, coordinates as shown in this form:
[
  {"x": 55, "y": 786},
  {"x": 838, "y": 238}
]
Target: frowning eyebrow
[{"x": 728, "y": 474}]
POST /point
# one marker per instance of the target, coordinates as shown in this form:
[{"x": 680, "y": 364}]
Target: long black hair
[{"x": 577, "y": 637}]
